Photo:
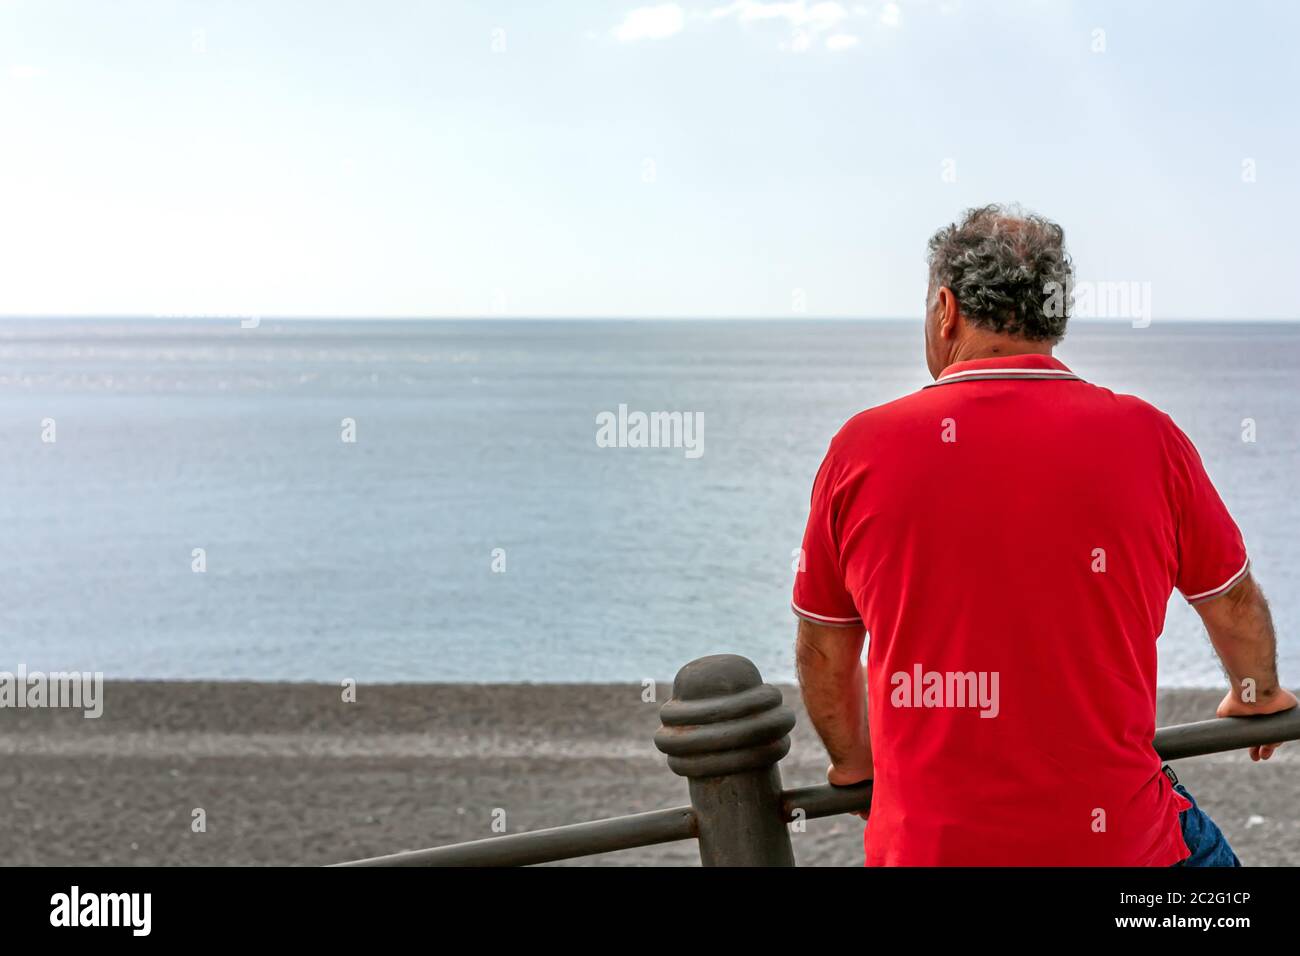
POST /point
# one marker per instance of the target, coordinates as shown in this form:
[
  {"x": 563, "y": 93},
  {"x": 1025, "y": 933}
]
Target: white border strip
[
  {"x": 1225, "y": 586},
  {"x": 978, "y": 373},
  {"x": 821, "y": 618}
]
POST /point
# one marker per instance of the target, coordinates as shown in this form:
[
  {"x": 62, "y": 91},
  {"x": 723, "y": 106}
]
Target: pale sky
[{"x": 331, "y": 157}]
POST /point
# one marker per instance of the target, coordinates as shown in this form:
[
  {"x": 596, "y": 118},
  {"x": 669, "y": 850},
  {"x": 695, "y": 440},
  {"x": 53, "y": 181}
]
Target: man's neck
[{"x": 992, "y": 345}]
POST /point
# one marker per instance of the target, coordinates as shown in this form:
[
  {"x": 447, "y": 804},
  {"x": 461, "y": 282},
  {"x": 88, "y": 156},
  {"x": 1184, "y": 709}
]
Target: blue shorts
[{"x": 1203, "y": 837}]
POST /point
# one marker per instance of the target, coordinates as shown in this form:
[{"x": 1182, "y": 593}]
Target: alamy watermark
[
  {"x": 129, "y": 910},
  {"x": 626, "y": 429},
  {"x": 922, "y": 688},
  {"x": 1090, "y": 299},
  {"x": 76, "y": 690}
]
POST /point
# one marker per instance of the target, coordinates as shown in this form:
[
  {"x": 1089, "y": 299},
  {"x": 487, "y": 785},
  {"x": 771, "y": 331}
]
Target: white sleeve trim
[
  {"x": 822, "y": 618},
  {"x": 1215, "y": 592}
]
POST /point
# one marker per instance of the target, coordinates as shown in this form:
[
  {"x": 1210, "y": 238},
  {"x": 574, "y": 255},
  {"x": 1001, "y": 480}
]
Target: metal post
[{"x": 725, "y": 730}]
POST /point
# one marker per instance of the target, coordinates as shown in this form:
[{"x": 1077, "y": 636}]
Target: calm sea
[{"x": 374, "y": 559}]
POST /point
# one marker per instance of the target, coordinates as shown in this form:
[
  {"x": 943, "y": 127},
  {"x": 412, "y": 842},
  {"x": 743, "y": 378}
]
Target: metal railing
[{"x": 725, "y": 731}]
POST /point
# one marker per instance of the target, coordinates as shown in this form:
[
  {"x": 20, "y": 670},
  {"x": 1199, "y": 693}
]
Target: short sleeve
[
  {"x": 1211, "y": 554},
  {"x": 819, "y": 592}
]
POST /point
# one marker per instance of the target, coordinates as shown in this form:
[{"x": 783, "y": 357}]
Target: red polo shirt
[{"x": 1009, "y": 536}]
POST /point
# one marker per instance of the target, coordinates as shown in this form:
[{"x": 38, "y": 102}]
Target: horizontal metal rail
[
  {"x": 555, "y": 843},
  {"x": 823, "y": 800},
  {"x": 683, "y": 823},
  {"x": 1197, "y": 739},
  {"x": 1226, "y": 733}
]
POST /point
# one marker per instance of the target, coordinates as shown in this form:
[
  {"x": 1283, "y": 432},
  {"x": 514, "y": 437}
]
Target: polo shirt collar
[{"x": 1005, "y": 367}]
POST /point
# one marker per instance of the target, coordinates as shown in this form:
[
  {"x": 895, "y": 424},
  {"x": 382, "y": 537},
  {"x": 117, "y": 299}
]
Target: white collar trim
[{"x": 984, "y": 373}]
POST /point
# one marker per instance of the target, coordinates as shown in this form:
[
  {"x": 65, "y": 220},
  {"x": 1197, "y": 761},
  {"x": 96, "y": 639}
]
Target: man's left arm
[{"x": 833, "y": 682}]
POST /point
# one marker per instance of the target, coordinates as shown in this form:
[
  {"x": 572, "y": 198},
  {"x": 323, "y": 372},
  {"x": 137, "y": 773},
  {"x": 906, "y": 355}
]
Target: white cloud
[
  {"x": 650, "y": 23},
  {"x": 23, "y": 71},
  {"x": 816, "y": 16},
  {"x": 807, "y": 22}
]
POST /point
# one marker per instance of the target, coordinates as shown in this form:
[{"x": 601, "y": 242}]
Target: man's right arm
[{"x": 1241, "y": 630}]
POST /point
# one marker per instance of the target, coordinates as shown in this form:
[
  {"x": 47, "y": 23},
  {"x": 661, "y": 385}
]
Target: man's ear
[{"x": 949, "y": 314}]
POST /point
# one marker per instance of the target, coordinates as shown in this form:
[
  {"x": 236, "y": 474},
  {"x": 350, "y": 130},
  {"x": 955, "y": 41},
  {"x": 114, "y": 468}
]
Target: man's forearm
[
  {"x": 1241, "y": 629},
  {"x": 834, "y": 692}
]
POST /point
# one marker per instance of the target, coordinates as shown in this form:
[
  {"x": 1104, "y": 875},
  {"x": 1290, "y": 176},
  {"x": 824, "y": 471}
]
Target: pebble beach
[{"x": 290, "y": 774}]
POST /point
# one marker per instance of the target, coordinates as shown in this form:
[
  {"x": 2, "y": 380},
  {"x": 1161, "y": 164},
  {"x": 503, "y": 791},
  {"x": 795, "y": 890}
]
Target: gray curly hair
[{"x": 1008, "y": 270}]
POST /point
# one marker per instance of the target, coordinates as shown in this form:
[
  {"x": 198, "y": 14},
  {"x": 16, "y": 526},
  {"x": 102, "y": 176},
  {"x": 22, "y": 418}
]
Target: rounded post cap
[{"x": 722, "y": 719}]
